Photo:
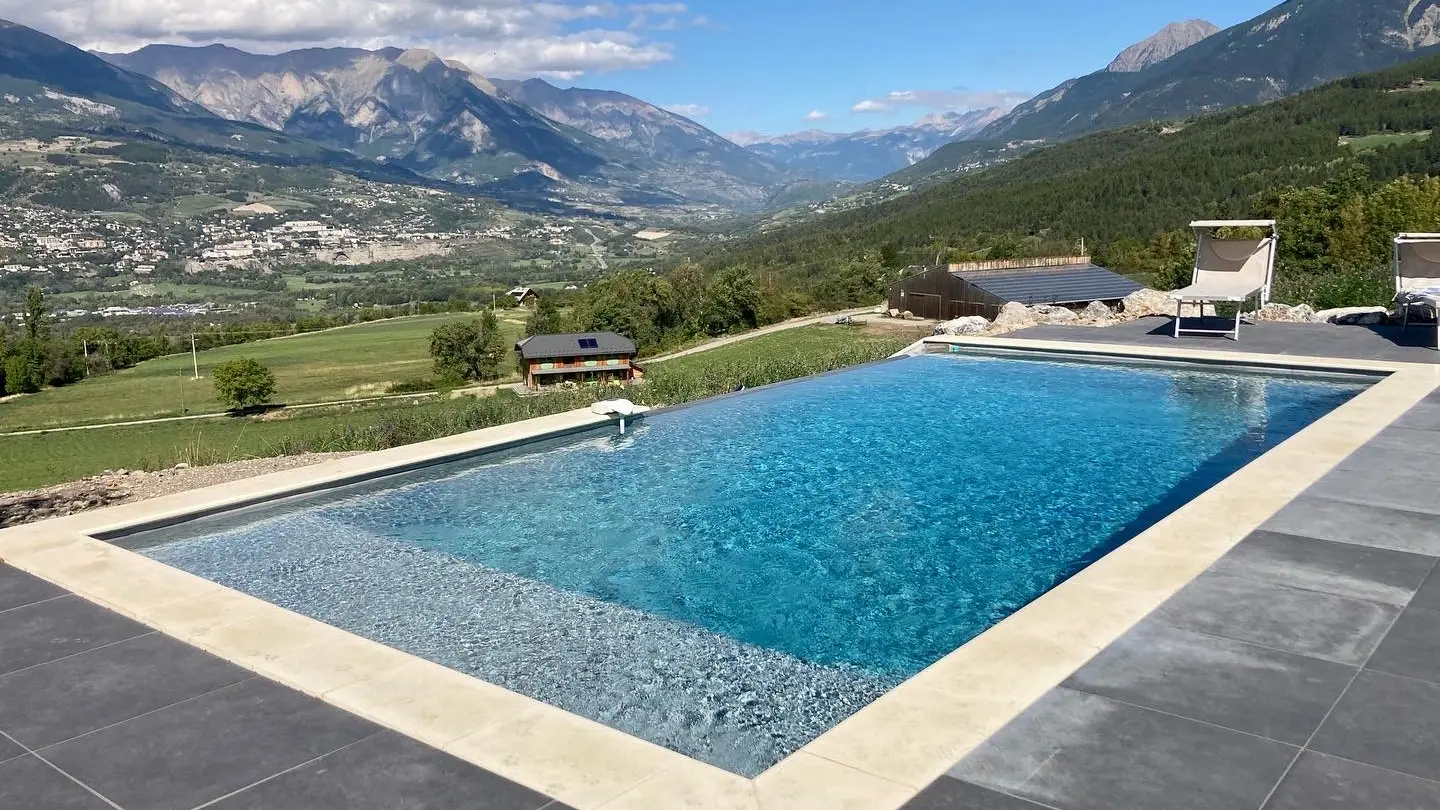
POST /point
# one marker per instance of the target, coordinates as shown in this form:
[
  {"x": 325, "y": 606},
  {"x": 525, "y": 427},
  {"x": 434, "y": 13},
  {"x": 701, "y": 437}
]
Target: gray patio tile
[
  {"x": 9, "y": 749},
  {"x": 1280, "y": 617},
  {"x": 384, "y": 772},
  {"x": 1412, "y": 647},
  {"x": 52, "y": 702},
  {"x": 1274, "y": 694},
  {"x": 949, "y": 793},
  {"x": 1386, "y": 721},
  {"x": 1428, "y": 597},
  {"x": 1320, "y": 782},
  {"x": 1326, "y": 519},
  {"x": 1424, "y": 416},
  {"x": 1343, "y": 569},
  {"x": 1079, "y": 751},
  {"x": 205, "y": 748},
  {"x": 1394, "y": 449},
  {"x": 56, "y": 628},
  {"x": 1394, "y": 490},
  {"x": 29, "y": 784},
  {"x": 19, "y": 588}
]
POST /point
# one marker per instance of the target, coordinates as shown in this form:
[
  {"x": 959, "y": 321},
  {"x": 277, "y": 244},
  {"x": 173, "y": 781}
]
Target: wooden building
[
  {"x": 598, "y": 357},
  {"x": 951, "y": 291}
]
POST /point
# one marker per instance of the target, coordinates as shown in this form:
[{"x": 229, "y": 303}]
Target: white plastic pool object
[{"x": 618, "y": 407}]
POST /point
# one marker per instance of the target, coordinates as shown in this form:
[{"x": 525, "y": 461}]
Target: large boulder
[
  {"x": 1284, "y": 313},
  {"x": 1097, "y": 311},
  {"x": 1013, "y": 316},
  {"x": 1048, "y": 314},
  {"x": 1353, "y": 316},
  {"x": 1147, "y": 302},
  {"x": 969, "y": 325}
]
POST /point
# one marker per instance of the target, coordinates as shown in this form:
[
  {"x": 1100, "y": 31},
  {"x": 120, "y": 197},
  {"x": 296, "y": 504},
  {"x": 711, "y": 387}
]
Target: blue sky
[{"x": 763, "y": 65}]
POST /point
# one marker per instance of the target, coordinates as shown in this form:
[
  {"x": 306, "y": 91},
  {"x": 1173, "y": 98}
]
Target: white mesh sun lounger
[
  {"x": 1228, "y": 270},
  {"x": 1417, "y": 276}
]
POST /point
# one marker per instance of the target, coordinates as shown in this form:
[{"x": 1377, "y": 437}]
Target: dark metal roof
[
  {"x": 1074, "y": 284},
  {"x": 538, "y": 347}
]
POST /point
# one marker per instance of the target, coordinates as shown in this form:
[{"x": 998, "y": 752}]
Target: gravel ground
[{"x": 124, "y": 486}]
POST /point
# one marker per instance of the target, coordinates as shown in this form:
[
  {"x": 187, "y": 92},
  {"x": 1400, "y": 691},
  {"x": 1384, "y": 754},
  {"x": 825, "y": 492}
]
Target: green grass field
[
  {"x": 43, "y": 459},
  {"x": 1371, "y": 142},
  {"x": 348, "y": 362}
]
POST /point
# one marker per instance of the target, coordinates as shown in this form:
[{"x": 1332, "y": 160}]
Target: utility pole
[{"x": 194, "y": 356}]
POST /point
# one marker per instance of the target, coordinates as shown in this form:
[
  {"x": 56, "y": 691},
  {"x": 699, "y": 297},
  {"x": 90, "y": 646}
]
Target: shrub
[
  {"x": 244, "y": 382},
  {"x": 468, "y": 350}
]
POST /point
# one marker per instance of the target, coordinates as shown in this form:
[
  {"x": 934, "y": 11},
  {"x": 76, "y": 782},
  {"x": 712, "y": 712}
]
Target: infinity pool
[{"x": 733, "y": 578}]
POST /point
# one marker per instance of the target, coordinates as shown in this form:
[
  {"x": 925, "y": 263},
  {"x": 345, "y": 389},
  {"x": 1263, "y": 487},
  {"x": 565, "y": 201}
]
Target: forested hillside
[{"x": 1126, "y": 191}]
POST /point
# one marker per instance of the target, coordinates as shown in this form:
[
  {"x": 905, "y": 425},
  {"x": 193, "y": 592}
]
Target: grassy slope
[
  {"x": 40, "y": 460},
  {"x": 314, "y": 367}
]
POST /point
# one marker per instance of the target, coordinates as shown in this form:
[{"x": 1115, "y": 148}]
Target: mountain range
[
  {"x": 1296, "y": 45},
  {"x": 868, "y": 154},
  {"x": 414, "y": 116}
]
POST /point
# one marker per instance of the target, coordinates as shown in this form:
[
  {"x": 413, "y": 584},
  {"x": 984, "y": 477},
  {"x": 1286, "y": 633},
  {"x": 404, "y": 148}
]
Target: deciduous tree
[{"x": 244, "y": 382}]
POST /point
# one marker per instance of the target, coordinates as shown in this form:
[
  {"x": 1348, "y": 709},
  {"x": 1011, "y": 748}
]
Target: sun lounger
[
  {"x": 1228, "y": 271},
  {"x": 1417, "y": 276}
]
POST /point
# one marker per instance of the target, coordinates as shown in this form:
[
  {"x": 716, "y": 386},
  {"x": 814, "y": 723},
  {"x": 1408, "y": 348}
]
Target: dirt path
[{"x": 793, "y": 323}]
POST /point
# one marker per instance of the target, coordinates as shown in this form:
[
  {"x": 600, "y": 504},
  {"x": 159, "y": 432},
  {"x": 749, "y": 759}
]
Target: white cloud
[
  {"x": 816, "y": 115},
  {"x": 689, "y": 110},
  {"x": 940, "y": 100},
  {"x": 561, "y": 38}
]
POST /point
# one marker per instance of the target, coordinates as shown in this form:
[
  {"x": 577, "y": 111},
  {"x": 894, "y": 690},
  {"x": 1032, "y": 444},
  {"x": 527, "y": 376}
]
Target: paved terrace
[
  {"x": 1391, "y": 343},
  {"x": 99, "y": 712},
  {"x": 1301, "y": 672}
]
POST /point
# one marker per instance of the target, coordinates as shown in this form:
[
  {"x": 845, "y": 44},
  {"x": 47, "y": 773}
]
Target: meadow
[
  {"x": 343, "y": 363},
  {"x": 49, "y": 458}
]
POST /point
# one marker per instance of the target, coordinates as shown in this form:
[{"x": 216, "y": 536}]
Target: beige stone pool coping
[{"x": 876, "y": 760}]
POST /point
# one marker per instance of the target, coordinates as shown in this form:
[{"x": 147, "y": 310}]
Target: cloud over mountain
[
  {"x": 558, "y": 38},
  {"x": 940, "y": 100}
]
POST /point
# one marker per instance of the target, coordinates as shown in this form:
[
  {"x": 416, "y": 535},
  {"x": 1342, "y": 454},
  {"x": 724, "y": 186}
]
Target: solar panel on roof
[{"x": 589, "y": 343}]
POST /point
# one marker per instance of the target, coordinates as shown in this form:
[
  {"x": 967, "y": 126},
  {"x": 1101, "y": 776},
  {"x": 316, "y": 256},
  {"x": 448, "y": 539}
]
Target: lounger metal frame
[
  {"x": 1404, "y": 301},
  {"x": 1202, "y": 228}
]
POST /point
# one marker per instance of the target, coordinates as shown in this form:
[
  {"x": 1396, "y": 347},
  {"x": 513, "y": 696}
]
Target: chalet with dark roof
[{"x": 585, "y": 357}]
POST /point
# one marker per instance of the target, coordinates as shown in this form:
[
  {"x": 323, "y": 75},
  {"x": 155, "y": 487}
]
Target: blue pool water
[{"x": 734, "y": 577}]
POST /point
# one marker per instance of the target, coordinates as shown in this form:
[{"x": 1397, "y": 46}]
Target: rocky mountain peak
[{"x": 1167, "y": 42}]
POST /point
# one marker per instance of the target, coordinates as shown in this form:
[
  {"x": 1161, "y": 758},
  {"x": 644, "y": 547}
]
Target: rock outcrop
[
  {"x": 969, "y": 325},
  {"x": 1353, "y": 316}
]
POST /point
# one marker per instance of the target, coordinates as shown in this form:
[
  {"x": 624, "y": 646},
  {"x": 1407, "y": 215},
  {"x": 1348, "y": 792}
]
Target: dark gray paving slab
[
  {"x": 1280, "y": 617},
  {"x": 384, "y": 772},
  {"x": 206, "y": 748},
  {"x": 29, "y": 784},
  {"x": 45, "y": 631},
  {"x": 1320, "y": 782},
  {"x": 1412, "y": 647},
  {"x": 1343, "y": 569},
  {"x": 46, "y": 704},
  {"x": 1344, "y": 522},
  {"x": 1386, "y": 721},
  {"x": 19, "y": 588},
  {"x": 1424, "y": 416},
  {"x": 1394, "y": 450},
  {"x": 949, "y": 793},
  {"x": 1274, "y": 694},
  {"x": 1394, "y": 490},
  {"x": 1428, "y": 597},
  {"x": 1079, "y": 751},
  {"x": 9, "y": 749}
]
